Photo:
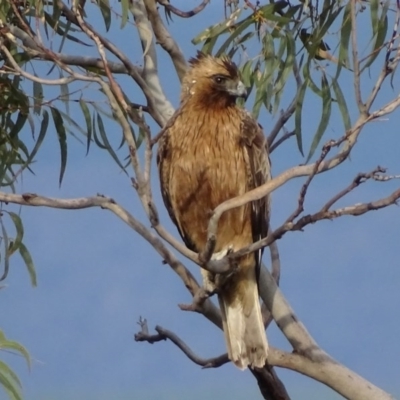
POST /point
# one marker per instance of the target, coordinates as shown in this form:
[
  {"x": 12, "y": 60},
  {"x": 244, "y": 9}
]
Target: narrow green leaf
[
  {"x": 9, "y": 386},
  {"x": 43, "y": 129},
  {"x": 209, "y": 45},
  {"x": 37, "y": 97},
  {"x": 86, "y": 114},
  {"x": 6, "y": 370},
  {"x": 298, "y": 114},
  {"x": 6, "y": 255},
  {"x": 345, "y": 32},
  {"x": 308, "y": 79},
  {"x": 55, "y": 26},
  {"x": 62, "y": 139},
  {"x": 285, "y": 70},
  {"x": 12, "y": 345},
  {"x": 374, "y": 8},
  {"x": 380, "y": 32},
  {"x": 106, "y": 142},
  {"x": 125, "y": 12},
  {"x": 20, "y": 122},
  {"x": 247, "y": 74},
  {"x": 20, "y": 232},
  {"x": 239, "y": 28},
  {"x": 64, "y": 97},
  {"x": 217, "y": 29},
  {"x": 342, "y": 104},
  {"x": 95, "y": 138},
  {"x": 26, "y": 256},
  {"x": 106, "y": 12},
  {"x": 261, "y": 94},
  {"x": 325, "y": 116}
]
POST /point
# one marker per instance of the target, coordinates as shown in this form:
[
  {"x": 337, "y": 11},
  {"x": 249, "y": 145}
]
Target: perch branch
[{"x": 224, "y": 265}]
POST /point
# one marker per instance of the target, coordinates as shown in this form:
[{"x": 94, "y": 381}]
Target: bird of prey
[{"x": 213, "y": 150}]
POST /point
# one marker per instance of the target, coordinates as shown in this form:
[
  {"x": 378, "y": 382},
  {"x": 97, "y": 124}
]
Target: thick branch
[{"x": 150, "y": 72}]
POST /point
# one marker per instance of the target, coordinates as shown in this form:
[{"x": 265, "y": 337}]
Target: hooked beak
[{"x": 239, "y": 90}]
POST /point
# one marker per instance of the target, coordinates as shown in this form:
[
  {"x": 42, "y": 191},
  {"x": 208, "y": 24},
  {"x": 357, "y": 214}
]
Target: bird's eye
[{"x": 219, "y": 79}]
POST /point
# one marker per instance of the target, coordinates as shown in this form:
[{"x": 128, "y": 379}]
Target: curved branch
[
  {"x": 208, "y": 309},
  {"x": 183, "y": 14},
  {"x": 224, "y": 265}
]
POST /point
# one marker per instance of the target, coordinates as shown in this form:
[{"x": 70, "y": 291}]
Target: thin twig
[
  {"x": 358, "y": 180},
  {"x": 282, "y": 139},
  {"x": 224, "y": 265},
  {"x": 164, "y": 334},
  {"x": 183, "y": 14},
  {"x": 300, "y": 207},
  {"x": 349, "y": 139}
]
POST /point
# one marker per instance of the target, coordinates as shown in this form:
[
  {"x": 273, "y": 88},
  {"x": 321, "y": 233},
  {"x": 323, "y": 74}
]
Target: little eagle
[{"x": 213, "y": 150}]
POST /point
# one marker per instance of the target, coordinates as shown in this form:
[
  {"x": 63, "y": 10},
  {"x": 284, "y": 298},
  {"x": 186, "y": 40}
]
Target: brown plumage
[{"x": 211, "y": 151}]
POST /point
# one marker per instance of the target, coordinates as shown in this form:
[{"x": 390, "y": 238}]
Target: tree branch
[
  {"x": 68, "y": 59},
  {"x": 150, "y": 72},
  {"x": 324, "y": 369},
  {"x": 270, "y": 385},
  {"x": 164, "y": 334},
  {"x": 224, "y": 265},
  {"x": 183, "y": 14}
]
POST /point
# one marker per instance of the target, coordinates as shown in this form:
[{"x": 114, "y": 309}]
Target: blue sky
[{"x": 96, "y": 276}]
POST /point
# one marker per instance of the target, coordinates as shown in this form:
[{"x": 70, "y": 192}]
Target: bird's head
[{"x": 213, "y": 81}]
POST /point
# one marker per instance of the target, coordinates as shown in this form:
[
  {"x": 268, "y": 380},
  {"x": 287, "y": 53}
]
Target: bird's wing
[
  {"x": 164, "y": 162},
  {"x": 258, "y": 172}
]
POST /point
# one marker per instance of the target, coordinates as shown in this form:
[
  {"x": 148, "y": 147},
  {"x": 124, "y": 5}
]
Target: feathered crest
[{"x": 208, "y": 61}]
